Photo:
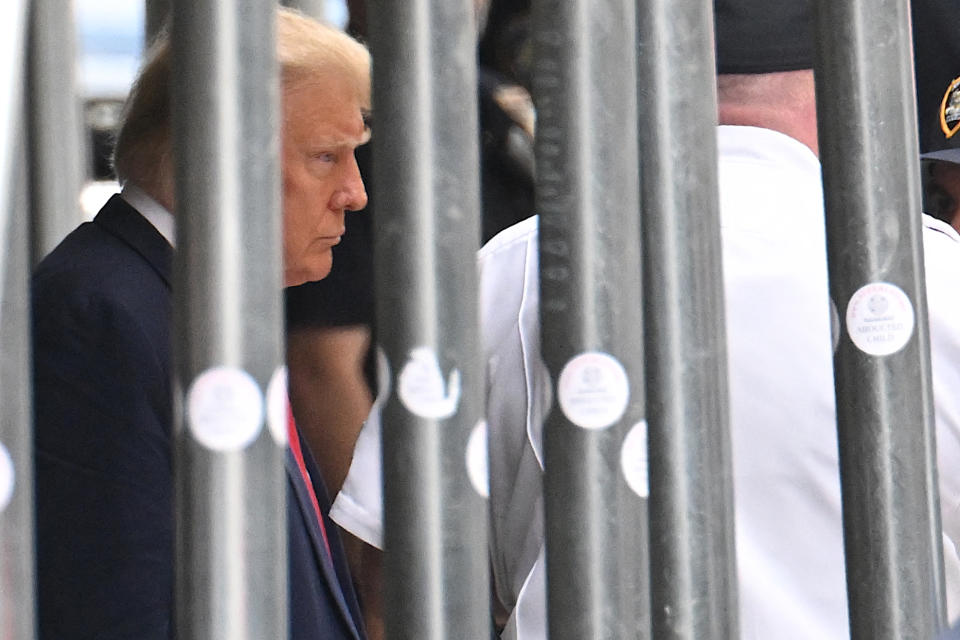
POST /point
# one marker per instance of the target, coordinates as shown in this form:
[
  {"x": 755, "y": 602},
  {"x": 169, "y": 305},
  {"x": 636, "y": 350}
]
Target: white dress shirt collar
[{"x": 153, "y": 211}]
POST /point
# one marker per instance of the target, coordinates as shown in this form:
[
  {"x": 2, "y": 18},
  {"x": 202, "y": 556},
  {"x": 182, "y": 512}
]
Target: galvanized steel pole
[
  {"x": 693, "y": 569},
  {"x": 868, "y": 146},
  {"x": 587, "y": 197},
  {"x": 231, "y": 535},
  {"x": 426, "y": 167},
  {"x": 56, "y": 139},
  {"x": 17, "y": 577}
]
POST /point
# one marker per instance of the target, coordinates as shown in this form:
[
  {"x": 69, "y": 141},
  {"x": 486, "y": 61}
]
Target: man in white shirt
[{"x": 789, "y": 537}]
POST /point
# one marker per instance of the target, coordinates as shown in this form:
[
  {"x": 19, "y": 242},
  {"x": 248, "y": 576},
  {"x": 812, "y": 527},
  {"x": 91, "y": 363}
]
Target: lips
[{"x": 332, "y": 240}]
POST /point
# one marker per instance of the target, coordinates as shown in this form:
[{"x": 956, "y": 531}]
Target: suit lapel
[
  {"x": 123, "y": 221},
  {"x": 324, "y": 561}
]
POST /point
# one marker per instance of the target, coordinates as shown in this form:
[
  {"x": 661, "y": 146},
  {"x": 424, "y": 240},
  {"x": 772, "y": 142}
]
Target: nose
[{"x": 352, "y": 193}]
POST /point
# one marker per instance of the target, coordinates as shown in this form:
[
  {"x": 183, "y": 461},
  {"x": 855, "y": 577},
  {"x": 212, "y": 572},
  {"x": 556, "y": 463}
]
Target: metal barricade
[
  {"x": 693, "y": 572},
  {"x": 17, "y": 619},
  {"x": 592, "y": 340},
  {"x": 231, "y": 534},
  {"x": 56, "y": 142},
  {"x": 230, "y": 485},
  {"x": 868, "y": 146},
  {"x": 426, "y": 167}
]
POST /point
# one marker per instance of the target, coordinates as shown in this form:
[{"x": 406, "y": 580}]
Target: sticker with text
[
  {"x": 880, "y": 319},
  {"x": 593, "y": 390},
  {"x": 225, "y": 409}
]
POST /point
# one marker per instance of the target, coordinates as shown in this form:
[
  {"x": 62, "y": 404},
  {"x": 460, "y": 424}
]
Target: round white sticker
[
  {"x": 422, "y": 388},
  {"x": 593, "y": 390},
  {"x": 633, "y": 459},
  {"x": 477, "y": 459},
  {"x": 7, "y": 478},
  {"x": 880, "y": 319},
  {"x": 277, "y": 402},
  {"x": 225, "y": 409}
]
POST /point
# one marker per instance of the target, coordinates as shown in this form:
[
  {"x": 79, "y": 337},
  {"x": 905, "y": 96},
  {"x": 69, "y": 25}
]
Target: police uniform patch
[{"x": 950, "y": 109}]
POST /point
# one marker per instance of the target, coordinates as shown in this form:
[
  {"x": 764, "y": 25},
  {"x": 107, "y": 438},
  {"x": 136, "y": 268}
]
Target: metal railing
[
  {"x": 588, "y": 189},
  {"x": 17, "y": 618},
  {"x": 426, "y": 168},
  {"x": 230, "y": 502},
  {"x": 228, "y": 338},
  {"x": 868, "y": 147},
  {"x": 693, "y": 579}
]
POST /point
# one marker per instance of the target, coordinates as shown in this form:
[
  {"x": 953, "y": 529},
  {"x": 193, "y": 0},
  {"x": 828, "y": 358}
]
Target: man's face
[{"x": 323, "y": 124}]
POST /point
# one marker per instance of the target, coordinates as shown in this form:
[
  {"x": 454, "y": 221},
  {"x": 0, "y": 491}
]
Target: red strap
[{"x": 294, "y": 439}]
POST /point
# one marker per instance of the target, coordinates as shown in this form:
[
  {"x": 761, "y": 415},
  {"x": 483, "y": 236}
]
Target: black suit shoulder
[{"x": 103, "y": 459}]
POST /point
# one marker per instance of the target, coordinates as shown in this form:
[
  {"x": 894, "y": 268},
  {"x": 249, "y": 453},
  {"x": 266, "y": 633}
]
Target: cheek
[{"x": 296, "y": 227}]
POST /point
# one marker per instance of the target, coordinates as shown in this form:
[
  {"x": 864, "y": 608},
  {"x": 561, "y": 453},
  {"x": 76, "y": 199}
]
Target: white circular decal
[
  {"x": 880, "y": 319},
  {"x": 477, "y": 459},
  {"x": 422, "y": 388},
  {"x": 633, "y": 459},
  {"x": 7, "y": 478},
  {"x": 593, "y": 390},
  {"x": 277, "y": 403},
  {"x": 225, "y": 409}
]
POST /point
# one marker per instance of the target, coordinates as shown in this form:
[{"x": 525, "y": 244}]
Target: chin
[{"x": 305, "y": 275}]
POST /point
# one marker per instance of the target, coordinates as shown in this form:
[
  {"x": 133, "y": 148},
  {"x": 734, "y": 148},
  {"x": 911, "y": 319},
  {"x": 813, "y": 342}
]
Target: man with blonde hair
[{"x": 102, "y": 312}]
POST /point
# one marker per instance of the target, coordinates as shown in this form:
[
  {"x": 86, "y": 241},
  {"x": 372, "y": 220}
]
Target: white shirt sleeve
[{"x": 358, "y": 507}]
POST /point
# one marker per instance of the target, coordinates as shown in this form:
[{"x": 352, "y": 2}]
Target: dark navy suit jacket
[{"x": 104, "y": 484}]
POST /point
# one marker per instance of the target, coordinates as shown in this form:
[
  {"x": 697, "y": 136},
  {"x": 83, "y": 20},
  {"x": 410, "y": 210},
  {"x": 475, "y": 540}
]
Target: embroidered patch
[{"x": 950, "y": 109}]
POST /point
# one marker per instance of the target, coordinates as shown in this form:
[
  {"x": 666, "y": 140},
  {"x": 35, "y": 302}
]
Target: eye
[{"x": 324, "y": 156}]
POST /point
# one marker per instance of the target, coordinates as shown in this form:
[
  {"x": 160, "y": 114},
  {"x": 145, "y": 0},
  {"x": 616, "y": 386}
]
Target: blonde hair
[{"x": 307, "y": 50}]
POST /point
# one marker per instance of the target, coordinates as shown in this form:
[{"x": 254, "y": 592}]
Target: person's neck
[{"x": 800, "y": 124}]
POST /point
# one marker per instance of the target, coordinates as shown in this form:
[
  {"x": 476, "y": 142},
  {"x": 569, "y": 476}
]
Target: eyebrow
[{"x": 345, "y": 141}]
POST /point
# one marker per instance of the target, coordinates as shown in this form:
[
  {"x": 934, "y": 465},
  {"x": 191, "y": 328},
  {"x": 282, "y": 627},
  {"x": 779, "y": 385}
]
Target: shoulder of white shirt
[
  {"x": 522, "y": 232},
  {"x": 940, "y": 226}
]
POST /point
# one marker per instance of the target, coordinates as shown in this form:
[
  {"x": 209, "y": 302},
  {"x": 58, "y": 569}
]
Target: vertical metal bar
[
  {"x": 693, "y": 572},
  {"x": 230, "y": 483},
  {"x": 56, "y": 140},
  {"x": 155, "y": 15},
  {"x": 17, "y": 585},
  {"x": 588, "y": 200},
  {"x": 426, "y": 166},
  {"x": 314, "y": 8},
  {"x": 868, "y": 145}
]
